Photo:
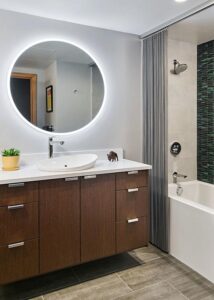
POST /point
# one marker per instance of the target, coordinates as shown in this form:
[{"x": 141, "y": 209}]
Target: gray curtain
[{"x": 155, "y": 133}]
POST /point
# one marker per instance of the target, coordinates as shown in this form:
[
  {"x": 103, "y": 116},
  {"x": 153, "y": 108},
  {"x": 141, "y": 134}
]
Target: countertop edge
[{"x": 82, "y": 173}]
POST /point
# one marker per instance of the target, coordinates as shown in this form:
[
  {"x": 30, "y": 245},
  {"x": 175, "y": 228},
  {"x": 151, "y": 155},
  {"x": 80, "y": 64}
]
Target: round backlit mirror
[{"x": 57, "y": 86}]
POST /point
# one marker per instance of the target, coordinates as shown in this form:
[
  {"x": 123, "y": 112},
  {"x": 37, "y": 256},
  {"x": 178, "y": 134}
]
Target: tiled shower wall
[
  {"x": 205, "y": 113},
  {"x": 182, "y": 109}
]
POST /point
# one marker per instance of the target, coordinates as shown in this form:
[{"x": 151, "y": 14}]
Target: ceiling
[
  {"x": 42, "y": 55},
  {"x": 132, "y": 16},
  {"x": 197, "y": 29}
]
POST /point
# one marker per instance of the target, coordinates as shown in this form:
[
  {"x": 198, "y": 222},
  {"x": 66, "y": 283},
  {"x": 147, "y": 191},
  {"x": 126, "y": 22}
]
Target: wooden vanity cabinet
[
  {"x": 59, "y": 224},
  {"x": 97, "y": 217},
  {"x": 54, "y": 224}
]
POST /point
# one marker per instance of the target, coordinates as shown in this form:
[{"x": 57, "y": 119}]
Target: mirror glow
[{"x": 57, "y": 87}]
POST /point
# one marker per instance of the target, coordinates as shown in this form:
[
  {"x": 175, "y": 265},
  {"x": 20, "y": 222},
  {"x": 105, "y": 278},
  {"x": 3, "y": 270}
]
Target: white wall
[
  {"x": 118, "y": 56},
  {"x": 73, "y": 109},
  {"x": 182, "y": 109}
]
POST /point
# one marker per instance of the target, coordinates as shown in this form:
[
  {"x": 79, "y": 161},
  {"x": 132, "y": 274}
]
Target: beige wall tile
[{"x": 182, "y": 109}]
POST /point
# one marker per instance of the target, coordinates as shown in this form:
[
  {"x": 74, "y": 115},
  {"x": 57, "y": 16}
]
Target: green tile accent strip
[{"x": 205, "y": 114}]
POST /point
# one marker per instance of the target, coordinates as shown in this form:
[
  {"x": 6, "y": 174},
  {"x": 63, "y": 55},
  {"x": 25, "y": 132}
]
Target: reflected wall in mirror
[{"x": 77, "y": 86}]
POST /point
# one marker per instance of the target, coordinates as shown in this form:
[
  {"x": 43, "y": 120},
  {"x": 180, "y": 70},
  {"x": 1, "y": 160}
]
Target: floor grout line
[
  {"x": 152, "y": 259},
  {"x": 141, "y": 289},
  {"x": 177, "y": 290},
  {"x": 124, "y": 282}
]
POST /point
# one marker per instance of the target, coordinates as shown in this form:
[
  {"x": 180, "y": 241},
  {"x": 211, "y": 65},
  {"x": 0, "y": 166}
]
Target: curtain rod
[{"x": 175, "y": 21}]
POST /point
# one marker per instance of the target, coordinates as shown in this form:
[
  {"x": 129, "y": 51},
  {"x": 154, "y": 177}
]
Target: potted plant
[{"x": 10, "y": 159}]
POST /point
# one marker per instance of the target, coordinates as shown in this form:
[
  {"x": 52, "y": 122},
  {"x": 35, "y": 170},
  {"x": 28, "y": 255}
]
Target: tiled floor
[{"x": 161, "y": 277}]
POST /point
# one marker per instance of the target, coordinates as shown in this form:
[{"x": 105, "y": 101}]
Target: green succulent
[{"x": 10, "y": 152}]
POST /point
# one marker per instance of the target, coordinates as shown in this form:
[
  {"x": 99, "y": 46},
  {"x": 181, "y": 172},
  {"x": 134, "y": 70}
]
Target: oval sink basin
[{"x": 69, "y": 163}]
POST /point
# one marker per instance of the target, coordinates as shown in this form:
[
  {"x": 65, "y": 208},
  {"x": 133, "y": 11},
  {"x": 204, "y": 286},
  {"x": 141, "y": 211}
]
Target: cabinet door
[
  {"x": 59, "y": 224},
  {"x": 97, "y": 217}
]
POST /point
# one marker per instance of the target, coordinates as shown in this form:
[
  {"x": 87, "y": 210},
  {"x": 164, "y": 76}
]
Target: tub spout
[{"x": 175, "y": 176}]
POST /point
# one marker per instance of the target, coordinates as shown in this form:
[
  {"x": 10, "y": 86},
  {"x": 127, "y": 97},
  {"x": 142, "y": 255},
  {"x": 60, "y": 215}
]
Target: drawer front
[
  {"x": 18, "y": 222},
  {"x": 133, "y": 179},
  {"x": 131, "y": 203},
  {"x": 19, "y": 261},
  {"x": 18, "y": 193},
  {"x": 132, "y": 235}
]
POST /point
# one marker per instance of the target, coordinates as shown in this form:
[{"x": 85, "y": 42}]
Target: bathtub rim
[{"x": 191, "y": 202}]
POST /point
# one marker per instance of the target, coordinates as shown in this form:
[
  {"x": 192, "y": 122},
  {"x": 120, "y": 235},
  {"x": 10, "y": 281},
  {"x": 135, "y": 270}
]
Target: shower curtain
[{"x": 155, "y": 133}]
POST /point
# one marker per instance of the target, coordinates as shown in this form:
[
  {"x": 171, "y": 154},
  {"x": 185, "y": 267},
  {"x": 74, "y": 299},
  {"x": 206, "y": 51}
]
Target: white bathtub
[{"x": 192, "y": 226}]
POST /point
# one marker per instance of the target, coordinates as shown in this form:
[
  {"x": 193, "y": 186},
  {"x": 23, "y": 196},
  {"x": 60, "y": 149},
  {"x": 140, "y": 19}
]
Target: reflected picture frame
[{"x": 49, "y": 99}]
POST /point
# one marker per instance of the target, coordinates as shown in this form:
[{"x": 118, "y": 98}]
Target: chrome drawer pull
[
  {"x": 133, "y": 220},
  {"x": 133, "y": 190},
  {"x": 132, "y": 172},
  {"x": 16, "y": 245},
  {"x": 71, "y": 179},
  {"x": 13, "y": 207},
  {"x": 90, "y": 177},
  {"x": 19, "y": 184}
]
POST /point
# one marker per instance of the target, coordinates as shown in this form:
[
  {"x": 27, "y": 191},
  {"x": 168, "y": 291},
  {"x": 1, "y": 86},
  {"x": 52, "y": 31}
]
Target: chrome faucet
[
  {"x": 51, "y": 142},
  {"x": 175, "y": 176},
  {"x": 179, "y": 189}
]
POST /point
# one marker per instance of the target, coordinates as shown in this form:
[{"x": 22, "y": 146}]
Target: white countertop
[{"x": 30, "y": 172}]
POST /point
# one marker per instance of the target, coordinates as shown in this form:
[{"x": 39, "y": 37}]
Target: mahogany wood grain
[
  {"x": 131, "y": 205},
  {"x": 59, "y": 224},
  {"x": 97, "y": 217},
  {"x": 19, "y": 224},
  {"x": 129, "y": 181},
  {"x": 17, "y": 195},
  {"x": 132, "y": 236},
  {"x": 19, "y": 263}
]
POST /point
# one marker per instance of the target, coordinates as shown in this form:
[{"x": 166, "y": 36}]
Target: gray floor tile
[
  {"x": 148, "y": 253},
  {"x": 193, "y": 286},
  {"x": 159, "y": 291},
  {"x": 160, "y": 277},
  {"x": 209, "y": 298},
  {"x": 152, "y": 272},
  {"x": 106, "y": 288}
]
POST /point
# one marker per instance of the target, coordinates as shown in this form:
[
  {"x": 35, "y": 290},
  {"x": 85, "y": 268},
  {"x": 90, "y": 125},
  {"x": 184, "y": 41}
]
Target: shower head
[{"x": 178, "y": 68}]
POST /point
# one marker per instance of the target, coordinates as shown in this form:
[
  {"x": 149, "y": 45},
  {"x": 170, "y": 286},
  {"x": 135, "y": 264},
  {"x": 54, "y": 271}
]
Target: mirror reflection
[{"x": 57, "y": 86}]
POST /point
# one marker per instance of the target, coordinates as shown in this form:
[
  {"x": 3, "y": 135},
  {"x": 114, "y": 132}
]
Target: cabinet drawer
[
  {"x": 131, "y": 180},
  {"x": 132, "y": 235},
  {"x": 19, "y": 261},
  {"x": 16, "y": 193},
  {"x": 131, "y": 203},
  {"x": 18, "y": 222}
]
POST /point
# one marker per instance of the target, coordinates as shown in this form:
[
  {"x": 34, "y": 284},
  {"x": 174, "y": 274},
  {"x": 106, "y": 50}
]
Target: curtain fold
[{"x": 155, "y": 133}]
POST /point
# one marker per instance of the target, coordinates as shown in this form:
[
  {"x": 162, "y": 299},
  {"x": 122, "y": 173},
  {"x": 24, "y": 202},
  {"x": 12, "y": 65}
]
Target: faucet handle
[
  {"x": 175, "y": 174},
  {"x": 52, "y": 141}
]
